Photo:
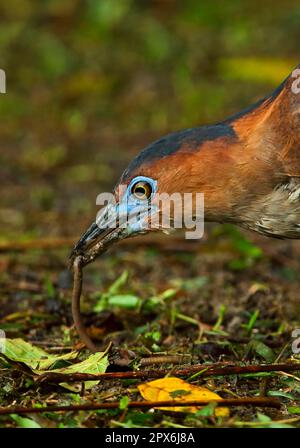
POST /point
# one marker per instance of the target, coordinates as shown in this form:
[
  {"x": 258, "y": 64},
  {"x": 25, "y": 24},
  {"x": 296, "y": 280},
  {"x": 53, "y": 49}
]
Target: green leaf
[
  {"x": 218, "y": 324},
  {"x": 117, "y": 285},
  {"x": 94, "y": 364},
  {"x": 207, "y": 411},
  {"x": 179, "y": 393},
  {"x": 128, "y": 301},
  {"x": 24, "y": 422},
  {"x": 294, "y": 409},
  {"x": 167, "y": 294},
  {"x": 34, "y": 357},
  {"x": 154, "y": 302},
  {"x": 263, "y": 418},
  {"x": 156, "y": 335},
  {"x": 279, "y": 393},
  {"x": 252, "y": 320},
  {"x": 113, "y": 297},
  {"x": 40, "y": 361},
  {"x": 247, "y": 248},
  {"x": 263, "y": 350},
  {"x": 124, "y": 403}
]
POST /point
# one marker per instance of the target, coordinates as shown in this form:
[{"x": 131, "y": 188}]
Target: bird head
[{"x": 155, "y": 187}]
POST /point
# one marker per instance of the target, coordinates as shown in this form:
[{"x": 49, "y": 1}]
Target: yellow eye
[{"x": 142, "y": 190}]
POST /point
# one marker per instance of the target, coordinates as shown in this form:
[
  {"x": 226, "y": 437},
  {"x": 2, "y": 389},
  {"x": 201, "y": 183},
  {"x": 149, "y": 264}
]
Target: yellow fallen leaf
[{"x": 172, "y": 388}]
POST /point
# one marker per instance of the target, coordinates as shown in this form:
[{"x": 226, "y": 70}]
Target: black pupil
[{"x": 142, "y": 191}]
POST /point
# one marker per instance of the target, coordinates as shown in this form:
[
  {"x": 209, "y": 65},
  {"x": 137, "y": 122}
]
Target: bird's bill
[{"x": 113, "y": 223}]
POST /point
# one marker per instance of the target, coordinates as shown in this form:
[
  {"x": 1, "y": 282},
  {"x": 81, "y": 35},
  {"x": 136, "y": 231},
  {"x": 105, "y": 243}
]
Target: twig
[
  {"x": 209, "y": 371},
  {"x": 171, "y": 243},
  {"x": 248, "y": 401},
  {"x": 46, "y": 243}
]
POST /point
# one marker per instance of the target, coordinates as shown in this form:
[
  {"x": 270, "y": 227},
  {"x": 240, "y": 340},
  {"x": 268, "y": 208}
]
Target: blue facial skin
[
  {"x": 130, "y": 217},
  {"x": 133, "y": 211}
]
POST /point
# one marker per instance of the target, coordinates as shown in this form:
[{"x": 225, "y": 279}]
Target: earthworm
[{"x": 77, "y": 288}]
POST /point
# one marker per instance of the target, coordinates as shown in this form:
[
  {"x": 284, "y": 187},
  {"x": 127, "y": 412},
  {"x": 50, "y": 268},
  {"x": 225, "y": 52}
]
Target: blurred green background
[{"x": 89, "y": 83}]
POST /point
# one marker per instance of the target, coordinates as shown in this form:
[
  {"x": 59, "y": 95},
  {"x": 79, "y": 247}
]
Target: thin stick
[
  {"x": 43, "y": 243},
  {"x": 248, "y": 401},
  {"x": 207, "y": 370},
  {"x": 171, "y": 243}
]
